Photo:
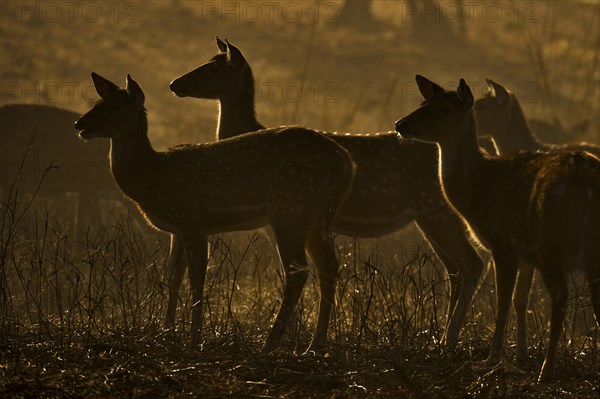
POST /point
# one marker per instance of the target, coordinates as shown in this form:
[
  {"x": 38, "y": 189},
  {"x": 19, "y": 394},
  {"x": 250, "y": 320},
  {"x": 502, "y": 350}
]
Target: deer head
[
  {"x": 216, "y": 78},
  {"x": 440, "y": 113},
  {"x": 117, "y": 111},
  {"x": 492, "y": 109}
]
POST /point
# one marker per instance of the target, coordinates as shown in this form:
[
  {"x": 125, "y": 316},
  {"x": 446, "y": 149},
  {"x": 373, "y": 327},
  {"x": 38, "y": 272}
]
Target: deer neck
[
  {"x": 236, "y": 110},
  {"x": 460, "y": 163},
  {"x": 518, "y": 135},
  {"x": 132, "y": 158}
]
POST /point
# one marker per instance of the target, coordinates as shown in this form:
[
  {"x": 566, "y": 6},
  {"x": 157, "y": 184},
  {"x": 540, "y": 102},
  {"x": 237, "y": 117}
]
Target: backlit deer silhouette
[
  {"x": 192, "y": 191},
  {"x": 78, "y": 167},
  {"x": 500, "y": 115},
  {"x": 396, "y": 181},
  {"x": 540, "y": 207}
]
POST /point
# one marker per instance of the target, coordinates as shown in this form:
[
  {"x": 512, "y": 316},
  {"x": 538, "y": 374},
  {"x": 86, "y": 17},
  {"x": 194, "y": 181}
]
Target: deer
[
  {"x": 396, "y": 180},
  {"x": 195, "y": 190},
  {"x": 500, "y": 116},
  {"x": 537, "y": 206},
  {"x": 538, "y": 133},
  {"x": 43, "y": 131}
]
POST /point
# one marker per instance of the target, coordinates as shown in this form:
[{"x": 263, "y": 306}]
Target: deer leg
[
  {"x": 505, "y": 261},
  {"x": 559, "y": 292},
  {"x": 322, "y": 252},
  {"x": 196, "y": 251},
  {"x": 520, "y": 304},
  {"x": 175, "y": 270},
  {"x": 290, "y": 245},
  {"x": 592, "y": 268},
  {"x": 292, "y": 328},
  {"x": 463, "y": 265},
  {"x": 594, "y": 281}
]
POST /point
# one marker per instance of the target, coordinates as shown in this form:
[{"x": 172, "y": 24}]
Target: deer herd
[{"x": 531, "y": 205}]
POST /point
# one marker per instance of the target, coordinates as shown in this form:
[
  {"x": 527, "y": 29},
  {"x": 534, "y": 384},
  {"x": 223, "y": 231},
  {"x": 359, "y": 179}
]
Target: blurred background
[{"x": 332, "y": 65}]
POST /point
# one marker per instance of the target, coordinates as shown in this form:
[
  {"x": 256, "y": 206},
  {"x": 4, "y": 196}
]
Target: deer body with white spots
[
  {"x": 396, "y": 179},
  {"x": 541, "y": 207},
  {"x": 291, "y": 178}
]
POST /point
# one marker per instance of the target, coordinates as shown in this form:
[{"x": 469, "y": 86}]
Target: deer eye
[
  {"x": 444, "y": 110},
  {"x": 215, "y": 67}
]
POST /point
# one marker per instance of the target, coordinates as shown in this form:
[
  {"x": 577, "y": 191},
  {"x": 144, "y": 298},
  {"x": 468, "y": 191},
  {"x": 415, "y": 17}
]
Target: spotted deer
[
  {"x": 396, "y": 179},
  {"x": 46, "y": 133},
  {"x": 541, "y": 207},
  {"x": 192, "y": 191},
  {"x": 500, "y": 115}
]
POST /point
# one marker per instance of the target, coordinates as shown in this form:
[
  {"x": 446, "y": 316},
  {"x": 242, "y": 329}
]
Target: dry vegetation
[{"x": 81, "y": 316}]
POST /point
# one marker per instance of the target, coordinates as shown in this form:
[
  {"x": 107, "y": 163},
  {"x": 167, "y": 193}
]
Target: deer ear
[
  {"x": 103, "y": 86},
  {"x": 502, "y": 95},
  {"x": 465, "y": 94},
  {"x": 221, "y": 45},
  {"x": 236, "y": 57},
  {"x": 427, "y": 87},
  {"x": 135, "y": 91},
  {"x": 490, "y": 88}
]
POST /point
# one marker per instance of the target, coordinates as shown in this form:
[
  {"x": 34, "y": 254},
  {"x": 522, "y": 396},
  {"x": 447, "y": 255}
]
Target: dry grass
[{"x": 82, "y": 316}]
